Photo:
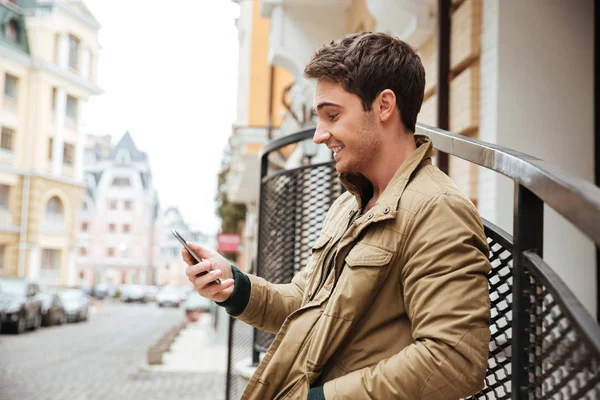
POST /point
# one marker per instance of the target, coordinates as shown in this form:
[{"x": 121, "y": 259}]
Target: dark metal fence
[{"x": 544, "y": 344}]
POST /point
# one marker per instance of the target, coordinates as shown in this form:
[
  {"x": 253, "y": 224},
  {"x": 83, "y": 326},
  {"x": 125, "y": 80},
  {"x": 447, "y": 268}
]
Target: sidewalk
[{"x": 195, "y": 350}]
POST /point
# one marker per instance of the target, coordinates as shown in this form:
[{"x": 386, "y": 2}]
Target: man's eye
[{"x": 331, "y": 117}]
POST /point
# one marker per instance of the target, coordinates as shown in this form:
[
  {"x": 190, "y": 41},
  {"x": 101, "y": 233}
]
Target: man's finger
[
  {"x": 212, "y": 290},
  {"x": 187, "y": 257},
  {"x": 204, "y": 280},
  {"x": 194, "y": 269}
]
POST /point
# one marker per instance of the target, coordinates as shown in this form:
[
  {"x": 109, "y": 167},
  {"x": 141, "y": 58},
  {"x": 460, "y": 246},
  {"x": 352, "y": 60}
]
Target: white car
[
  {"x": 131, "y": 293},
  {"x": 168, "y": 296}
]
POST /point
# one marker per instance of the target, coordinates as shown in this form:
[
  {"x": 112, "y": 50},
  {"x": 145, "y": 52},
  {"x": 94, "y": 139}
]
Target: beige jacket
[{"x": 405, "y": 312}]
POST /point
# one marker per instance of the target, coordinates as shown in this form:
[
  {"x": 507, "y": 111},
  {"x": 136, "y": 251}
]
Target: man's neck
[{"x": 390, "y": 158}]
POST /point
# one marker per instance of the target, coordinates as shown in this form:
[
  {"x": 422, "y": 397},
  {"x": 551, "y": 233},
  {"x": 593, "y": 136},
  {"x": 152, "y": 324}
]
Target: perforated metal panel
[
  {"x": 498, "y": 377},
  {"x": 241, "y": 337},
  {"x": 293, "y": 206},
  {"x": 562, "y": 363}
]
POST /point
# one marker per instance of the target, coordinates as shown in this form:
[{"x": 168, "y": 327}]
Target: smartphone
[{"x": 192, "y": 252}]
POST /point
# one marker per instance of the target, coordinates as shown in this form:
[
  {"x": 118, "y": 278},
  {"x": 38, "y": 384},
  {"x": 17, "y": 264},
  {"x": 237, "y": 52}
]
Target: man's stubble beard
[{"x": 368, "y": 147}]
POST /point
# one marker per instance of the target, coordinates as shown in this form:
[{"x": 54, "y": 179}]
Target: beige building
[
  {"x": 48, "y": 57},
  {"x": 518, "y": 74}
]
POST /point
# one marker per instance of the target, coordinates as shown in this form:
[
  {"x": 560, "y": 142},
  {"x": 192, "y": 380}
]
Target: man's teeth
[{"x": 337, "y": 149}]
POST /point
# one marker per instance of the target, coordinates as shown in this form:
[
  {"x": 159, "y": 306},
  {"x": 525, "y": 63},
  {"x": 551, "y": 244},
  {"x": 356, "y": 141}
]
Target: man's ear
[{"x": 387, "y": 104}]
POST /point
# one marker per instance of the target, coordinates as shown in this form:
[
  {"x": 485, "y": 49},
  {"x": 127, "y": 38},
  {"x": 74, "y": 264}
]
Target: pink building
[
  {"x": 171, "y": 268},
  {"x": 117, "y": 224}
]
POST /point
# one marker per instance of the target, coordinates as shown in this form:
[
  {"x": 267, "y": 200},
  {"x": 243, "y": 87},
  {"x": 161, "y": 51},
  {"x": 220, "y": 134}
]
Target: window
[
  {"x": 11, "y": 31},
  {"x": 112, "y": 228},
  {"x": 126, "y": 228},
  {"x": 81, "y": 275},
  {"x": 50, "y": 259},
  {"x": 128, "y": 205},
  {"x": 68, "y": 153},
  {"x": 82, "y": 251},
  {"x": 112, "y": 204},
  {"x": 125, "y": 252},
  {"x": 2, "y": 255},
  {"x": 72, "y": 107},
  {"x": 121, "y": 182},
  {"x": 84, "y": 206},
  {"x": 54, "y": 220},
  {"x": 50, "y": 146},
  {"x": 54, "y": 94},
  {"x": 11, "y": 84},
  {"x": 7, "y": 138},
  {"x": 84, "y": 227},
  {"x": 73, "y": 52},
  {"x": 4, "y": 195},
  {"x": 110, "y": 252}
]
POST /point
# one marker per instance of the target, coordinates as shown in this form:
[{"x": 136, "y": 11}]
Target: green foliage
[{"x": 232, "y": 214}]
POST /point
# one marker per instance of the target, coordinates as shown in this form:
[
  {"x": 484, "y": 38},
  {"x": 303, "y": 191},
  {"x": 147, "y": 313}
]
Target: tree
[{"x": 232, "y": 215}]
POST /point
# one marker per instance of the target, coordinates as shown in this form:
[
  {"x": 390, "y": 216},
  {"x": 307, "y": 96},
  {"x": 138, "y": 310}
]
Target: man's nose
[{"x": 321, "y": 135}]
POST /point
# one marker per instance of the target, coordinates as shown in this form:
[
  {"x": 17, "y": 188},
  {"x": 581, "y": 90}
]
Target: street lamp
[{"x": 309, "y": 149}]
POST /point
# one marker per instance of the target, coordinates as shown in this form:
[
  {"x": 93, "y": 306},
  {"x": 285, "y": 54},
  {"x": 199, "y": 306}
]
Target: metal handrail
[{"x": 577, "y": 200}]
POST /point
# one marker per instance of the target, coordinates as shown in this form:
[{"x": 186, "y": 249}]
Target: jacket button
[
  {"x": 386, "y": 211},
  {"x": 370, "y": 216}
]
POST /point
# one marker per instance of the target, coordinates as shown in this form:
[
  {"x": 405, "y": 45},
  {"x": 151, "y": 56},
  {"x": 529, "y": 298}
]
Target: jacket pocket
[
  {"x": 365, "y": 255},
  {"x": 314, "y": 267}
]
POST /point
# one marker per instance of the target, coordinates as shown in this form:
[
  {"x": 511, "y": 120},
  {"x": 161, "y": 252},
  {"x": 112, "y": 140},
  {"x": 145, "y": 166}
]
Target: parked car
[
  {"x": 76, "y": 303},
  {"x": 150, "y": 292},
  {"x": 53, "y": 310},
  {"x": 131, "y": 293},
  {"x": 168, "y": 296},
  {"x": 21, "y": 304},
  {"x": 195, "y": 305},
  {"x": 100, "y": 291}
]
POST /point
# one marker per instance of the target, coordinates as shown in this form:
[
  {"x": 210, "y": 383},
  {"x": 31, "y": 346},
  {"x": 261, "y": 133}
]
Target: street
[{"x": 103, "y": 358}]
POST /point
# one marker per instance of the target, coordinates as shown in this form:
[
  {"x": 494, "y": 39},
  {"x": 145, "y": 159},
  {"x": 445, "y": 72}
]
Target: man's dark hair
[{"x": 366, "y": 64}]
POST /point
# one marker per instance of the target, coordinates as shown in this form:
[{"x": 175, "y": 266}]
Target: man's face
[{"x": 345, "y": 128}]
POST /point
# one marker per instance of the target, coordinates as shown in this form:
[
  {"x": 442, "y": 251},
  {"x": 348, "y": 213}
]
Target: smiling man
[{"x": 394, "y": 302}]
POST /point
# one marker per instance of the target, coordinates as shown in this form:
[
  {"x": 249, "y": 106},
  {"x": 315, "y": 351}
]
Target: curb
[{"x": 155, "y": 352}]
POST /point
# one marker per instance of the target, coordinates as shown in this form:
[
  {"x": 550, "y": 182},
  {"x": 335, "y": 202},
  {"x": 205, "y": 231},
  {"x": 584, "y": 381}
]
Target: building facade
[
  {"x": 170, "y": 267},
  {"x": 507, "y": 83},
  {"x": 48, "y": 58},
  {"x": 117, "y": 225},
  {"x": 263, "y": 91}
]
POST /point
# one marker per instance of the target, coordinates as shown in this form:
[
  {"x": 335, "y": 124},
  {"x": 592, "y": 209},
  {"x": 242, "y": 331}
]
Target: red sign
[{"x": 228, "y": 242}]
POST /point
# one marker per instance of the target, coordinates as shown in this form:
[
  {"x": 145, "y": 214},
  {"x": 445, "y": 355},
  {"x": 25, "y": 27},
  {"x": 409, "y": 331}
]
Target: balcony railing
[{"x": 544, "y": 343}]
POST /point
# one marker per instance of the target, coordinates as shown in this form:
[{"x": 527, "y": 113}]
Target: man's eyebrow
[{"x": 326, "y": 104}]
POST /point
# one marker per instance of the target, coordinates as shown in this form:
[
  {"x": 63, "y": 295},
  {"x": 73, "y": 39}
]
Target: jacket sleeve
[
  {"x": 270, "y": 304},
  {"x": 444, "y": 266}
]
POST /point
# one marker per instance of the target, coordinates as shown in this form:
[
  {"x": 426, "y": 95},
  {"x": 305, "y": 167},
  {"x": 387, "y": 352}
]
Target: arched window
[
  {"x": 11, "y": 31},
  {"x": 54, "y": 218}
]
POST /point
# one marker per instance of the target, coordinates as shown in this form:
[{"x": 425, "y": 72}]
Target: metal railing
[{"x": 544, "y": 344}]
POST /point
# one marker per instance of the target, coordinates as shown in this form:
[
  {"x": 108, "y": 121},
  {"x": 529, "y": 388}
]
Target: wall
[{"x": 542, "y": 72}]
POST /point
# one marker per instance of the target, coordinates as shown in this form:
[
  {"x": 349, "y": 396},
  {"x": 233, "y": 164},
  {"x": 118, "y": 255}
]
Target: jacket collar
[{"x": 357, "y": 184}]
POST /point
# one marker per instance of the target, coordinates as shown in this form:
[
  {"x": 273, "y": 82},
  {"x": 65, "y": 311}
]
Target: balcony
[
  {"x": 300, "y": 26},
  {"x": 245, "y": 164},
  {"x": 543, "y": 341}
]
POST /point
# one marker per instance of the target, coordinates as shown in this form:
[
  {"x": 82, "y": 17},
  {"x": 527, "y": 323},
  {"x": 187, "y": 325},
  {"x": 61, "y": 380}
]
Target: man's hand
[{"x": 217, "y": 266}]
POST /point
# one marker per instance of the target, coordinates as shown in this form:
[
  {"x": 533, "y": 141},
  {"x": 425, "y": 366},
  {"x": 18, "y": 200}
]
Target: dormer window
[
  {"x": 11, "y": 31},
  {"x": 123, "y": 157},
  {"x": 121, "y": 182}
]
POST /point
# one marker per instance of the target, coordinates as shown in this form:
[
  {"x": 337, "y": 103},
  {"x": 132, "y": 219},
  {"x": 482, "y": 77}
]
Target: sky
[{"x": 169, "y": 75}]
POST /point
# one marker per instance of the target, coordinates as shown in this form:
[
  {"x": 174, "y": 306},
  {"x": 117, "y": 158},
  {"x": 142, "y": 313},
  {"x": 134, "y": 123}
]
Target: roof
[{"x": 126, "y": 143}]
